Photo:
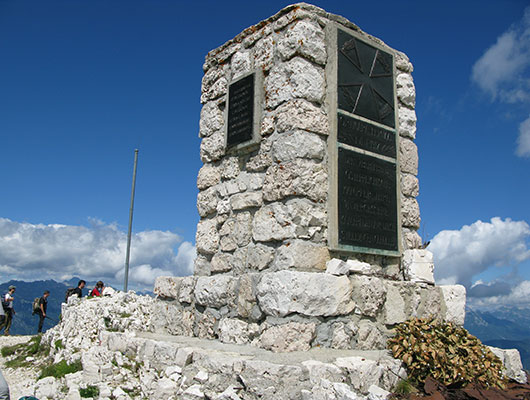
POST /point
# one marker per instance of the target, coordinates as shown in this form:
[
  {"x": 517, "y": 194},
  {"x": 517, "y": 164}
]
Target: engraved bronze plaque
[
  {"x": 365, "y": 80},
  {"x": 367, "y": 201},
  {"x": 357, "y": 133},
  {"x": 240, "y": 111}
]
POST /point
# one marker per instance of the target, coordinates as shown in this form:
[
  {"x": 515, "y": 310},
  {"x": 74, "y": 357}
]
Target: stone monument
[{"x": 307, "y": 196}]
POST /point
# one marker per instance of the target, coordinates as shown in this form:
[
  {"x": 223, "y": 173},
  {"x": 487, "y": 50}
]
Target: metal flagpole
[{"x": 130, "y": 223}]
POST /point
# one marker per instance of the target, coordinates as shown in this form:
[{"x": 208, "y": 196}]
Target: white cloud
[
  {"x": 523, "y": 141},
  {"x": 519, "y": 295},
  {"x": 462, "y": 254},
  {"x": 37, "y": 251},
  {"x": 502, "y": 71}
]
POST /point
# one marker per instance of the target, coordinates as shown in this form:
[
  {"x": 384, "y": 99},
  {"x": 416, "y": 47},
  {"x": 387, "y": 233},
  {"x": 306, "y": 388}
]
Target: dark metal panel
[{"x": 240, "y": 111}]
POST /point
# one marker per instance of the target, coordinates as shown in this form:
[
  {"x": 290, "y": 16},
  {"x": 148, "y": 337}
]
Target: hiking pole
[
  {"x": 51, "y": 319},
  {"x": 130, "y": 223}
]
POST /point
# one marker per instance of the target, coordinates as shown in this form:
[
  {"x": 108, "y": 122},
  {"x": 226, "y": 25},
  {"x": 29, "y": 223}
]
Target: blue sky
[{"x": 84, "y": 83}]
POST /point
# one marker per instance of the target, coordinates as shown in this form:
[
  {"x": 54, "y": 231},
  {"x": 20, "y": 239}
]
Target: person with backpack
[
  {"x": 7, "y": 304},
  {"x": 98, "y": 289},
  {"x": 78, "y": 291},
  {"x": 41, "y": 309}
]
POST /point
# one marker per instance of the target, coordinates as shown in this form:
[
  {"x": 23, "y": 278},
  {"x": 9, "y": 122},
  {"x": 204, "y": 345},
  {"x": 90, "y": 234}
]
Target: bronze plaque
[
  {"x": 360, "y": 134},
  {"x": 240, "y": 111},
  {"x": 365, "y": 80},
  {"x": 367, "y": 201}
]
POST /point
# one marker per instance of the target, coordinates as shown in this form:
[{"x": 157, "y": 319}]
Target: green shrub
[
  {"x": 60, "y": 369},
  {"x": 32, "y": 348},
  {"x": 446, "y": 352},
  {"x": 89, "y": 391},
  {"x": 59, "y": 344}
]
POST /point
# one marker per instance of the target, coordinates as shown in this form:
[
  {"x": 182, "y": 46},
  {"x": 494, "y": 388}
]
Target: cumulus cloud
[
  {"x": 523, "y": 141},
  {"x": 462, "y": 254},
  {"x": 36, "y": 251},
  {"x": 502, "y": 71},
  {"x": 519, "y": 295}
]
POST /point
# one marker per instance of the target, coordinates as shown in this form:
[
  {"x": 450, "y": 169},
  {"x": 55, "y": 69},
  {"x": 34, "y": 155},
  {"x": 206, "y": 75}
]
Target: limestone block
[
  {"x": 193, "y": 392},
  {"x": 369, "y": 293},
  {"x": 405, "y": 90},
  {"x": 454, "y": 303},
  {"x": 260, "y": 162},
  {"x": 246, "y": 296},
  {"x": 259, "y": 256},
  {"x": 207, "y": 201},
  {"x": 187, "y": 286},
  {"x": 46, "y": 387},
  {"x": 205, "y": 325},
  {"x": 251, "y": 180},
  {"x": 209, "y": 175},
  {"x": 264, "y": 53},
  {"x": 430, "y": 301},
  {"x": 240, "y": 64},
  {"x": 418, "y": 265},
  {"x": 212, "y": 76},
  {"x": 362, "y": 371},
  {"x": 298, "y": 144},
  {"x": 239, "y": 261},
  {"x": 402, "y": 62},
  {"x": 236, "y": 231},
  {"x": 301, "y": 255},
  {"x": 511, "y": 359},
  {"x": 297, "y": 78},
  {"x": 218, "y": 89},
  {"x": 369, "y": 337},
  {"x": 377, "y": 393},
  {"x": 272, "y": 222},
  {"x": 207, "y": 237},
  {"x": 215, "y": 291},
  {"x": 308, "y": 293},
  {"x": 327, "y": 390},
  {"x": 394, "y": 307},
  {"x": 184, "y": 356},
  {"x": 336, "y": 266},
  {"x": 342, "y": 336},
  {"x": 201, "y": 266},
  {"x": 319, "y": 370},
  {"x": 212, "y": 147},
  {"x": 411, "y": 239},
  {"x": 301, "y": 114},
  {"x": 407, "y": 123},
  {"x": 293, "y": 336},
  {"x": 221, "y": 262},
  {"x": 233, "y": 330},
  {"x": 299, "y": 177},
  {"x": 245, "y": 200},
  {"x": 359, "y": 267},
  {"x": 167, "y": 286},
  {"x": 410, "y": 212},
  {"x": 229, "y": 167},
  {"x": 408, "y": 153},
  {"x": 409, "y": 185},
  {"x": 212, "y": 119},
  {"x": 165, "y": 388},
  {"x": 304, "y": 38}
]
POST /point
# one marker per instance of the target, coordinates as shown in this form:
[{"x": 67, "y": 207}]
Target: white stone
[
  {"x": 240, "y": 64},
  {"x": 407, "y": 122},
  {"x": 297, "y": 78},
  {"x": 218, "y": 89},
  {"x": 194, "y": 391},
  {"x": 303, "y": 115},
  {"x": 207, "y": 201},
  {"x": 230, "y": 393},
  {"x": 187, "y": 286},
  {"x": 119, "y": 392},
  {"x": 293, "y": 336},
  {"x": 221, "y": 262},
  {"x": 454, "y": 300},
  {"x": 369, "y": 294},
  {"x": 259, "y": 256},
  {"x": 408, "y": 156},
  {"x": 358, "y": 267},
  {"x": 410, "y": 212},
  {"x": 511, "y": 359},
  {"x": 232, "y": 330},
  {"x": 319, "y": 370},
  {"x": 304, "y": 38},
  {"x": 394, "y": 307},
  {"x": 369, "y": 337},
  {"x": 46, "y": 387},
  {"x": 376, "y": 393},
  {"x": 245, "y": 200},
  {"x": 405, "y": 89},
  {"x": 301, "y": 255},
  {"x": 184, "y": 356},
  {"x": 212, "y": 147},
  {"x": 410, "y": 185},
  {"x": 214, "y": 291},
  {"x": 236, "y": 231},
  {"x": 207, "y": 237},
  {"x": 229, "y": 167},
  {"x": 362, "y": 371},
  {"x": 272, "y": 222},
  {"x": 418, "y": 265},
  {"x": 212, "y": 119},
  {"x": 298, "y": 144},
  {"x": 308, "y": 293},
  {"x": 300, "y": 177},
  {"x": 202, "y": 376},
  {"x": 167, "y": 286},
  {"x": 264, "y": 53},
  {"x": 336, "y": 266},
  {"x": 165, "y": 388}
]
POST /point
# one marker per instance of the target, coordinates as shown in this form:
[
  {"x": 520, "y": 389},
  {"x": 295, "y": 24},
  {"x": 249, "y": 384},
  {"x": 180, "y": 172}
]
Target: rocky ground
[{"x": 123, "y": 351}]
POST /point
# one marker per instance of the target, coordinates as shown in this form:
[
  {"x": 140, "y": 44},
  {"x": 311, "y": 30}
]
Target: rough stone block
[
  {"x": 245, "y": 200},
  {"x": 233, "y": 330},
  {"x": 301, "y": 255},
  {"x": 208, "y": 176},
  {"x": 207, "y": 201},
  {"x": 214, "y": 291},
  {"x": 272, "y": 222},
  {"x": 454, "y": 303},
  {"x": 221, "y": 262},
  {"x": 207, "y": 237},
  {"x": 304, "y": 38},
  {"x": 410, "y": 212},
  {"x": 212, "y": 147},
  {"x": 511, "y": 359},
  {"x": 167, "y": 286},
  {"x": 394, "y": 307},
  {"x": 298, "y": 144},
  {"x": 405, "y": 90},
  {"x": 407, "y": 123},
  {"x": 187, "y": 285},
  {"x": 293, "y": 336},
  {"x": 212, "y": 119},
  {"x": 362, "y": 371},
  {"x": 369, "y": 293},
  {"x": 418, "y": 266},
  {"x": 409, "y": 185},
  {"x": 308, "y": 293},
  {"x": 303, "y": 115}
]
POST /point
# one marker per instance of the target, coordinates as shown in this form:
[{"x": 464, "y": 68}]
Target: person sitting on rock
[{"x": 98, "y": 289}]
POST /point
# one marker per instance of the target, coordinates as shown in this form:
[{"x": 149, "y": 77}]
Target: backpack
[
  {"x": 5, "y": 304},
  {"x": 36, "y": 305},
  {"x": 69, "y": 292}
]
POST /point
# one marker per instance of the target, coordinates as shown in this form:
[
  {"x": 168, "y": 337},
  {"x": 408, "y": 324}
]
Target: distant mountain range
[
  {"x": 504, "y": 327},
  {"x": 24, "y": 323}
]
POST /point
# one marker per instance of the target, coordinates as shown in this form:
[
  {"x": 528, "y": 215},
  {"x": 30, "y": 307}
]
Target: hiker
[
  {"x": 7, "y": 303},
  {"x": 79, "y": 289},
  {"x": 4, "y": 388},
  {"x": 43, "y": 305},
  {"x": 98, "y": 289}
]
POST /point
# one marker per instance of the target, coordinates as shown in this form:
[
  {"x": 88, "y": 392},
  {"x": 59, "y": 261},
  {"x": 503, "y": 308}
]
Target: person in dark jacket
[
  {"x": 79, "y": 289},
  {"x": 43, "y": 305}
]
